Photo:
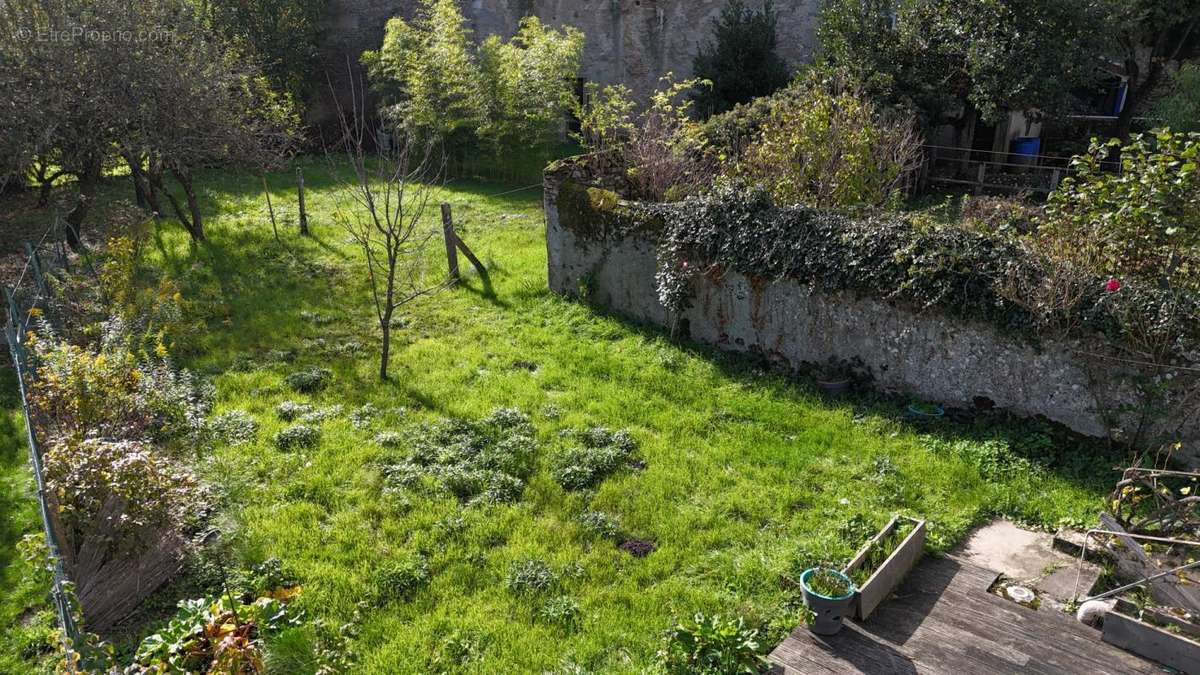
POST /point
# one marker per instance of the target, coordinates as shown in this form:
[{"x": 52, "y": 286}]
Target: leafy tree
[
  {"x": 741, "y": 63},
  {"x": 167, "y": 100},
  {"x": 433, "y": 83},
  {"x": 1149, "y": 35},
  {"x": 284, "y": 34},
  {"x": 1145, "y": 220},
  {"x": 203, "y": 106},
  {"x": 529, "y": 83},
  {"x": 953, "y": 60},
  {"x": 62, "y": 100},
  {"x": 428, "y": 76},
  {"x": 1180, "y": 109}
]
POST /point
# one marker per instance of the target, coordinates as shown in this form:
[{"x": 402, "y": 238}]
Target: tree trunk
[
  {"x": 89, "y": 181},
  {"x": 303, "y": 211},
  {"x": 143, "y": 185},
  {"x": 1135, "y": 94},
  {"x": 196, "y": 225},
  {"x": 385, "y": 352}
]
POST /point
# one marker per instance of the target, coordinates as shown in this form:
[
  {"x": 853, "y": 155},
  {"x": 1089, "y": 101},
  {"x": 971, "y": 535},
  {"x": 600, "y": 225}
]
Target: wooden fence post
[
  {"x": 450, "y": 237},
  {"x": 303, "y": 212},
  {"x": 980, "y": 177}
]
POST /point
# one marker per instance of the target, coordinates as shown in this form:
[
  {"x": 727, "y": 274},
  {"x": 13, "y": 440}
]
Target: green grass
[{"x": 748, "y": 474}]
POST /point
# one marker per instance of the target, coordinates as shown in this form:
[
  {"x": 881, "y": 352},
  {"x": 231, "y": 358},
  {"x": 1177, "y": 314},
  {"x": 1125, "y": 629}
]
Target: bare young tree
[{"x": 384, "y": 211}]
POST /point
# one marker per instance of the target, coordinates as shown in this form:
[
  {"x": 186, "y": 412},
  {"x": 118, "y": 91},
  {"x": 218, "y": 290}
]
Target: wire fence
[{"x": 22, "y": 299}]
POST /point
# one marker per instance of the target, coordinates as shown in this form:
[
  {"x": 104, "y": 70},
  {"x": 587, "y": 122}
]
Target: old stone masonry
[{"x": 633, "y": 42}]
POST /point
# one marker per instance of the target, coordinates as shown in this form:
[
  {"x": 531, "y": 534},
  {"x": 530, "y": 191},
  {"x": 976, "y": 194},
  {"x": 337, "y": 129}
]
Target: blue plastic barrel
[{"x": 1026, "y": 145}]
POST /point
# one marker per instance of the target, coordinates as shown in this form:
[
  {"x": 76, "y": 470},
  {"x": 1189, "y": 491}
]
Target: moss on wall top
[{"x": 597, "y": 214}]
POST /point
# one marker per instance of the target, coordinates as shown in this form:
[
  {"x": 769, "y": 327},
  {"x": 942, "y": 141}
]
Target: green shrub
[
  {"x": 110, "y": 392},
  {"x": 831, "y": 149},
  {"x": 601, "y": 524},
  {"x": 309, "y": 380},
  {"x": 561, "y": 611},
  {"x": 400, "y": 579},
  {"x": 659, "y": 146},
  {"x": 530, "y": 576},
  {"x": 289, "y": 411},
  {"x": 87, "y": 479},
  {"x": 234, "y": 427},
  {"x": 602, "y": 453},
  {"x": 1141, "y": 222},
  {"x": 711, "y": 645},
  {"x": 297, "y": 437}
]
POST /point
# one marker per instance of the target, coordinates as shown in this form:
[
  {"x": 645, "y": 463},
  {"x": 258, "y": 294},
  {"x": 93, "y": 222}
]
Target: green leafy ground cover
[{"x": 489, "y": 542}]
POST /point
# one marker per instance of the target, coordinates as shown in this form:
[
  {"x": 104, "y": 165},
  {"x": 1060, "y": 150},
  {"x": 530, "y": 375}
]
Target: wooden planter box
[
  {"x": 888, "y": 576},
  {"x": 1156, "y": 643}
]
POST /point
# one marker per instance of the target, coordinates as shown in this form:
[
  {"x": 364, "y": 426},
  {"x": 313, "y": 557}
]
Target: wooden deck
[{"x": 943, "y": 620}]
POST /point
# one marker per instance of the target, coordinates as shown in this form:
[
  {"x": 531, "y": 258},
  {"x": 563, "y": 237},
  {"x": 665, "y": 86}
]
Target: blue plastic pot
[
  {"x": 829, "y": 613},
  {"x": 917, "y": 414}
]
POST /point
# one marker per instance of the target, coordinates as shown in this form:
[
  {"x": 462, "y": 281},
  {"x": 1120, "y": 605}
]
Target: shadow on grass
[
  {"x": 17, "y": 509},
  {"x": 1083, "y": 461}
]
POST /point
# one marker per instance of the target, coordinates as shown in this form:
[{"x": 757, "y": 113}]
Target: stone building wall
[
  {"x": 920, "y": 353},
  {"x": 633, "y": 42}
]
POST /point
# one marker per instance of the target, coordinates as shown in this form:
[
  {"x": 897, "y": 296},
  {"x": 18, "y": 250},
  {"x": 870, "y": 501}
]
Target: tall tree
[
  {"x": 145, "y": 82},
  {"x": 434, "y": 83},
  {"x": 528, "y": 83},
  {"x": 740, "y": 62},
  {"x": 1150, "y": 34},
  {"x": 427, "y": 75},
  {"x": 284, "y": 34},
  {"x": 953, "y": 60}
]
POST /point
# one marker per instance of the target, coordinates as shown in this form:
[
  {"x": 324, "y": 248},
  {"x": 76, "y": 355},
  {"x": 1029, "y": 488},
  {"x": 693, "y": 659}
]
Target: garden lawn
[{"x": 744, "y": 478}]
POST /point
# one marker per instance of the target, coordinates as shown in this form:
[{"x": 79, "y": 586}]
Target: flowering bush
[
  {"x": 110, "y": 392},
  {"x": 1141, "y": 221},
  {"x": 123, "y": 491}
]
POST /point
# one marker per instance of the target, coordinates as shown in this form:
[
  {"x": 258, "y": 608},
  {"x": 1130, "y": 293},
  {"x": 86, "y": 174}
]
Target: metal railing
[
  {"x": 992, "y": 170},
  {"x": 20, "y": 304}
]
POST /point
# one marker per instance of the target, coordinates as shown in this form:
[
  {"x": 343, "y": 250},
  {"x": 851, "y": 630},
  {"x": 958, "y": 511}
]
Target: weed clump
[
  {"x": 484, "y": 461},
  {"x": 561, "y": 611},
  {"x": 711, "y": 645},
  {"x": 289, "y": 411},
  {"x": 297, "y": 436},
  {"x": 530, "y": 576},
  {"x": 309, "y": 380},
  {"x": 601, "y": 524},
  {"x": 601, "y": 453},
  {"x": 234, "y": 427},
  {"x": 401, "y": 579}
]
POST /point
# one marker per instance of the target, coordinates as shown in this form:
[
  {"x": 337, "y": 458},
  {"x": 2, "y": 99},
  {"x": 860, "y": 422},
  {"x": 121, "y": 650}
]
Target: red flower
[{"x": 1113, "y": 285}]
